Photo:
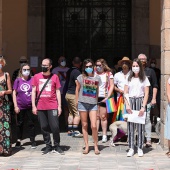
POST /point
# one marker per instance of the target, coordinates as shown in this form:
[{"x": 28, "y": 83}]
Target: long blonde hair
[{"x": 106, "y": 68}]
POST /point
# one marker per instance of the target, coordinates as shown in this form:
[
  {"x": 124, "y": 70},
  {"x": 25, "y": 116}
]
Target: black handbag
[{"x": 38, "y": 97}]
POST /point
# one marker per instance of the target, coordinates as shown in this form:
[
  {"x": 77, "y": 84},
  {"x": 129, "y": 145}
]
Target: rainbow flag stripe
[
  {"x": 119, "y": 114},
  {"x": 110, "y": 105}
]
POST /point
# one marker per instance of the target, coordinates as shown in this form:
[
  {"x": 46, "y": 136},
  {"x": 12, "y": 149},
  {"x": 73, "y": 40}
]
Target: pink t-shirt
[{"x": 48, "y": 99}]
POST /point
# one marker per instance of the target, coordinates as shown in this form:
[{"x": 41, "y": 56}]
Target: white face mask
[
  {"x": 135, "y": 69},
  {"x": 26, "y": 73},
  {"x": 63, "y": 63},
  {"x": 153, "y": 65},
  {"x": 99, "y": 69}
]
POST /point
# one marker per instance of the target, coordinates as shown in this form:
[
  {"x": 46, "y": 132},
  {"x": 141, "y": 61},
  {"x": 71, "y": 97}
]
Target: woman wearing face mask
[
  {"x": 105, "y": 91},
  {"x": 136, "y": 95},
  {"x": 86, "y": 99},
  {"x": 22, "y": 104},
  {"x": 5, "y": 129}
]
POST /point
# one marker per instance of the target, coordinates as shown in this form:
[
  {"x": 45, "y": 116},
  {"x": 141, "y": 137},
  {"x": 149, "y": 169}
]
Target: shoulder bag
[{"x": 38, "y": 97}]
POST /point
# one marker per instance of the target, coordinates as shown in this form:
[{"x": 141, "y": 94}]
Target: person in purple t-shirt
[{"x": 22, "y": 90}]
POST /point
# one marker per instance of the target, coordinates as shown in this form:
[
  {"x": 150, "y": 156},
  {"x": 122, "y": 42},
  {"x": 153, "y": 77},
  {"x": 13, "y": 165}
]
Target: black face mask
[{"x": 44, "y": 69}]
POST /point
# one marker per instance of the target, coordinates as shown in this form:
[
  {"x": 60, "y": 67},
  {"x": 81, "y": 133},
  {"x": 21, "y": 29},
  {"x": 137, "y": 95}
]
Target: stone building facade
[{"x": 22, "y": 32}]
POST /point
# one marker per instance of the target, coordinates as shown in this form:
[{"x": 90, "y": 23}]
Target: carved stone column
[
  {"x": 36, "y": 29},
  {"x": 165, "y": 61},
  {"x": 0, "y": 26},
  {"x": 140, "y": 27}
]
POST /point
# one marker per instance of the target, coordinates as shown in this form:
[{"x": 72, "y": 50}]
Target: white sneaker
[
  {"x": 130, "y": 153},
  {"x": 140, "y": 152},
  {"x": 104, "y": 139}
]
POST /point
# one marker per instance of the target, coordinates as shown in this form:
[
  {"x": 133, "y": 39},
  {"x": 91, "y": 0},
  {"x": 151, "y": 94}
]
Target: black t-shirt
[
  {"x": 150, "y": 73},
  {"x": 158, "y": 73},
  {"x": 72, "y": 75}
]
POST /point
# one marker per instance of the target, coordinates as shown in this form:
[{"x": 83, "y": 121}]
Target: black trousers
[
  {"x": 20, "y": 118},
  {"x": 48, "y": 120}
]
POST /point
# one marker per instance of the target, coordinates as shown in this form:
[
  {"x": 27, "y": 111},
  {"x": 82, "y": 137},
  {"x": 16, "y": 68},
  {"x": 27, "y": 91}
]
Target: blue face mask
[{"x": 89, "y": 70}]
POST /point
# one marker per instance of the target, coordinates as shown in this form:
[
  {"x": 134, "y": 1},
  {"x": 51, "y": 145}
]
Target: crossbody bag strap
[
  {"x": 38, "y": 97},
  {"x": 6, "y": 88}
]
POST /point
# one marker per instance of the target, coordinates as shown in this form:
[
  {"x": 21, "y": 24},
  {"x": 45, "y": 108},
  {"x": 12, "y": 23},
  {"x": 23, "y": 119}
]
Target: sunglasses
[
  {"x": 44, "y": 65},
  {"x": 26, "y": 69},
  {"x": 23, "y": 62},
  {"x": 98, "y": 65},
  {"x": 89, "y": 66}
]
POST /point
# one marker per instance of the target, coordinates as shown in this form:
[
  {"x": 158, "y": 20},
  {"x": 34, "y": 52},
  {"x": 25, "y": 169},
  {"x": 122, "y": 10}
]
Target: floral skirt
[{"x": 5, "y": 129}]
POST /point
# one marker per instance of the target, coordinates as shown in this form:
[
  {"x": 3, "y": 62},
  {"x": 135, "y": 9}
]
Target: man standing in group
[
  {"x": 61, "y": 71},
  {"x": 22, "y": 60},
  {"x": 48, "y": 107},
  {"x": 152, "y": 96},
  {"x": 70, "y": 88}
]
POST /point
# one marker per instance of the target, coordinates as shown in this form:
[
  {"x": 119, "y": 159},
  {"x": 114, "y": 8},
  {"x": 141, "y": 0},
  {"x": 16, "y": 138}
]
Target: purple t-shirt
[{"x": 23, "y": 89}]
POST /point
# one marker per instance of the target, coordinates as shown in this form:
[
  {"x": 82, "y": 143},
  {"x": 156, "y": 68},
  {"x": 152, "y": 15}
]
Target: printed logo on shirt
[
  {"x": 90, "y": 88},
  {"x": 25, "y": 88},
  {"x": 47, "y": 90}
]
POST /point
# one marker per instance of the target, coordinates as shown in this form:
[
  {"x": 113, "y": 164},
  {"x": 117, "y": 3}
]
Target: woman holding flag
[
  {"x": 136, "y": 95},
  {"x": 105, "y": 91}
]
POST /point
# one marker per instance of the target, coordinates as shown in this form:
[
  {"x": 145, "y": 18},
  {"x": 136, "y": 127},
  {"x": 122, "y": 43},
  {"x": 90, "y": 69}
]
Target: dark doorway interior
[{"x": 88, "y": 28}]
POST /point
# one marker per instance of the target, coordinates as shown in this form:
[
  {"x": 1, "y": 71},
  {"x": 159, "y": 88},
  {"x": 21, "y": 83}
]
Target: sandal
[
  {"x": 168, "y": 154},
  {"x": 97, "y": 152},
  {"x": 86, "y": 151}
]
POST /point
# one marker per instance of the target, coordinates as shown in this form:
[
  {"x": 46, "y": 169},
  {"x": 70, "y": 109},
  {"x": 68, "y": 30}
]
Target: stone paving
[{"x": 111, "y": 158}]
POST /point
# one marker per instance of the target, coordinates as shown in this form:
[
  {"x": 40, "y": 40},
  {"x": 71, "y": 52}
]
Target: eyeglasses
[
  {"x": 142, "y": 59},
  {"x": 26, "y": 69},
  {"x": 90, "y": 66},
  {"x": 98, "y": 65},
  {"x": 44, "y": 65}
]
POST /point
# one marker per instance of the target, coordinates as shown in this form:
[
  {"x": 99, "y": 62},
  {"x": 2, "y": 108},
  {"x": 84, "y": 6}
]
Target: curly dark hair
[
  {"x": 86, "y": 61},
  {"x": 142, "y": 75}
]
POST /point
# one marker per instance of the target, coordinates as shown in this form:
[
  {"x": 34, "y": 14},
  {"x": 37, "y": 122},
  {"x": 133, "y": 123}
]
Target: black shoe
[
  {"x": 33, "y": 145},
  {"x": 58, "y": 150},
  {"x": 47, "y": 150},
  {"x": 18, "y": 144}
]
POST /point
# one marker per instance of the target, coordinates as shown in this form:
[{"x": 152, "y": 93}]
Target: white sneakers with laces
[
  {"x": 104, "y": 139},
  {"x": 140, "y": 152},
  {"x": 130, "y": 153}
]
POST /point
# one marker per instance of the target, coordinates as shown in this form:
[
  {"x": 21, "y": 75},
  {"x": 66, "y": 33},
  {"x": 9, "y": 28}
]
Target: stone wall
[
  {"x": 165, "y": 60},
  {"x": 0, "y": 27},
  {"x": 36, "y": 29}
]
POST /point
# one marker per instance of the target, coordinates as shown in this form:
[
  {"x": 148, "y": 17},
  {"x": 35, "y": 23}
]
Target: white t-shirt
[
  {"x": 103, "y": 90},
  {"x": 120, "y": 80},
  {"x": 136, "y": 87}
]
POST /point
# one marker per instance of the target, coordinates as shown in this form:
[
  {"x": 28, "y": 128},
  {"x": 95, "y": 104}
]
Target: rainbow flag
[
  {"x": 119, "y": 114},
  {"x": 110, "y": 105}
]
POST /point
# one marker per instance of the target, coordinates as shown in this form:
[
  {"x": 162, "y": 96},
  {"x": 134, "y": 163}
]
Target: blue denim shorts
[{"x": 86, "y": 106}]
